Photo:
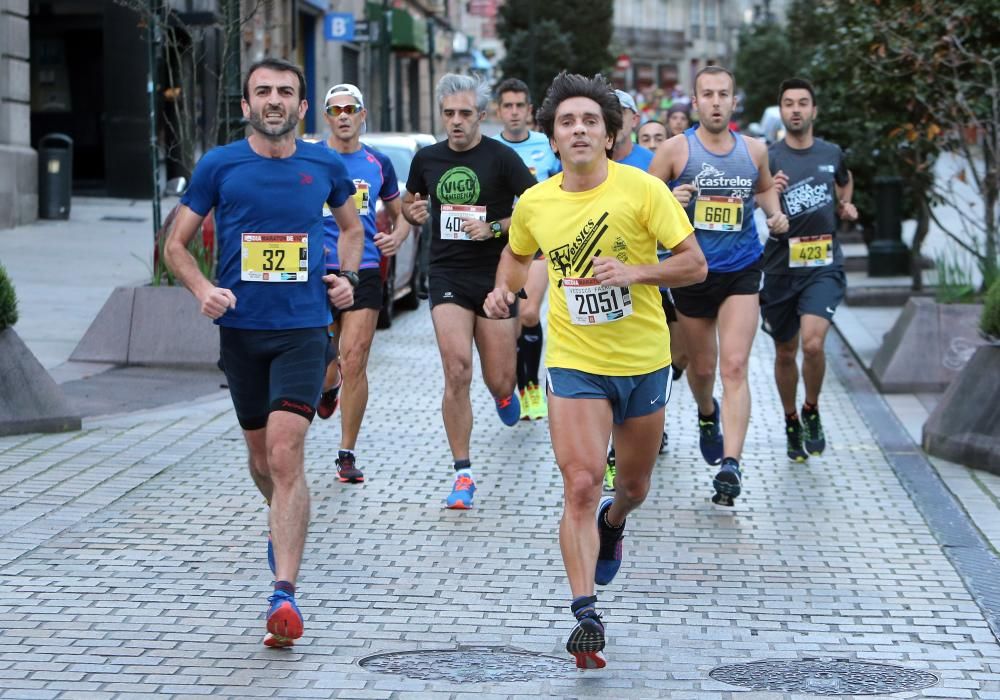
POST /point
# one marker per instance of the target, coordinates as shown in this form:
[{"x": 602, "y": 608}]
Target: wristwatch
[
  {"x": 351, "y": 277},
  {"x": 496, "y": 228}
]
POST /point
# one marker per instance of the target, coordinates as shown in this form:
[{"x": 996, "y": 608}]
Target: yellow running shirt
[{"x": 610, "y": 331}]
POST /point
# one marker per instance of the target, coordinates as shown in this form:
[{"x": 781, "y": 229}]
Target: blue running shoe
[
  {"x": 710, "y": 438},
  {"x": 284, "y": 621},
  {"x": 270, "y": 556},
  {"x": 586, "y": 642},
  {"x": 509, "y": 409},
  {"x": 462, "y": 492},
  {"x": 727, "y": 482},
  {"x": 609, "y": 556}
]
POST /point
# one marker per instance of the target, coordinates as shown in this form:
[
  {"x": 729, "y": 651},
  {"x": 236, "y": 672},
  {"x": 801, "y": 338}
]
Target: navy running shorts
[
  {"x": 467, "y": 289},
  {"x": 273, "y": 371},
  {"x": 784, "y": 299},
  {"x": 703, "y": 300},
  {"x": 368, "y": 293},
  {"x": 630, "y": 397}
]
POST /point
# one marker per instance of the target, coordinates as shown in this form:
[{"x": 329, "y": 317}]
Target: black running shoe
[
  {"x": 727, "y": 483},
  {"x": 663, "y": 442},
  {"x": 347, "y": 470},
  {"x": 793, "y": 441},
  {"x": 815, "y": 438},
  {"x": 586, "y": 642},
  {"x": 328, "y": 402}
]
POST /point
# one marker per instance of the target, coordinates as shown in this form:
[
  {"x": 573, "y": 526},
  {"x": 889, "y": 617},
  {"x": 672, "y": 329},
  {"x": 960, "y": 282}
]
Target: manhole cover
[
  {"x": 824, "y": 677},
  {"x": 469, "y": 664}
]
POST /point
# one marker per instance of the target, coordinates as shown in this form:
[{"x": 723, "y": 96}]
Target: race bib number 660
[{"x": 591, "y": 303}]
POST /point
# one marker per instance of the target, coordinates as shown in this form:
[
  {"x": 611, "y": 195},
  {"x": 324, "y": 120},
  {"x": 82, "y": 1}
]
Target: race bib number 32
[
  {"x": 454, "y": 215},
  {"x": 591, "y": 303},
  {"x": 718, "y": 213},
  {"x": 810, "y": 251},
  {"x": 274, "y": 257}
]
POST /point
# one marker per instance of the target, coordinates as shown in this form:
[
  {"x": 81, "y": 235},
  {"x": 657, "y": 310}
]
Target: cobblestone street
[{"x": 133, "y": 556}]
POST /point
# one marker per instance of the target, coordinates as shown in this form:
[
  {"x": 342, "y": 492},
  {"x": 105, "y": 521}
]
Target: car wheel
[{"x": 385, "y": 314}]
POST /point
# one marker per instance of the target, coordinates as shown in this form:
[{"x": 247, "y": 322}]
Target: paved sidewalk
[{"x": 132, "y": 554}]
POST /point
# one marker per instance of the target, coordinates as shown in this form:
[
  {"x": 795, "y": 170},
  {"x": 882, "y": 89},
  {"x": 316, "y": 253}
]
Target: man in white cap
[
  {"x": 625, "y": 151},
  {"x": 354, "y": 327}
]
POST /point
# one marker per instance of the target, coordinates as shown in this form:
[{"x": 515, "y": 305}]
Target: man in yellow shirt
[{"x": 608, "y": 356}]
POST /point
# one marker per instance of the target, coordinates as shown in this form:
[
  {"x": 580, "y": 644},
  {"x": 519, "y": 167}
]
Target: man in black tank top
[{"x": 804, "y": 278}]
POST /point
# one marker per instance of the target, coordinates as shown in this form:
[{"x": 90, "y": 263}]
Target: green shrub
[
  {"x": 954, "y": 280},
  {"x": 990, "y": 321},
  {"x": 8, "y": 301}
]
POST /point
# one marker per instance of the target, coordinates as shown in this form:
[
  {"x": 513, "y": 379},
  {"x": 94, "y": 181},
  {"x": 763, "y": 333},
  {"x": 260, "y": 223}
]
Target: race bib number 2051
[
  {"x": 274, "y": 257},
  {"x": 591, "y": 303}
]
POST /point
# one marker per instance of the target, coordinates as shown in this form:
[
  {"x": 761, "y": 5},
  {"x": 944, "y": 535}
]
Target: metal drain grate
[
  {"x": 127, "y": 219},
  {"x": 470, "y": 665},
  {"x": 824, "y": 677}
]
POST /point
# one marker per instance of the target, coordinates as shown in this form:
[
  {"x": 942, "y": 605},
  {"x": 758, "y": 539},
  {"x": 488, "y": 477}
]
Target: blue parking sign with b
[{"x": 339, "y": 26}]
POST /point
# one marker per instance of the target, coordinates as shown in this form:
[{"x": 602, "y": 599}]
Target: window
[
  {"x": 695, "y": 19},
  {"x": 711, "y": 19}
]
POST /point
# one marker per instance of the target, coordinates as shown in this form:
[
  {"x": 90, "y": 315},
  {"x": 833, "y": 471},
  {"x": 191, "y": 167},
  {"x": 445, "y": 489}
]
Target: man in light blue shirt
[
  {"x": 626, "y": 151},
  {"x": 514, "y": 110}
]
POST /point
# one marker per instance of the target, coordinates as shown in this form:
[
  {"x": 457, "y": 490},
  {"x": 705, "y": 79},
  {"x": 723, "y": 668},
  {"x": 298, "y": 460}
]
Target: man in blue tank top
[
  {"x": 804, "y": 278},
  {"x": 354, "y": 328},
  {"x": 718, "y": 175},
  {"x": 514, "y": 109},
  {"x": 272, "y": 300}
]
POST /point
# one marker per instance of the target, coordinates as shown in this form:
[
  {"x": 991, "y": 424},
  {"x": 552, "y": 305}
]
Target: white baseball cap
[
  {"x": 626, "y": 101},
  {"x": 345, "y": 89}
]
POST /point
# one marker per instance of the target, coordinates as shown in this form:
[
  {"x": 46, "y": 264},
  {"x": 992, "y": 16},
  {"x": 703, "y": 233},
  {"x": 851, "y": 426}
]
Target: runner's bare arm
[
  {"x": 512, "y": 273},
  {"x": 665, "y": 162},
  {"x": 416, "y": 209},
  {"x": 845, "y": 206},
  {"x": 388, "y": 243},
  {"x": 767, "y": 191},
  {"x": 684, "y": 267},
  {"x": 214, "y": 301},
  {"x": 352, "y": 235}
]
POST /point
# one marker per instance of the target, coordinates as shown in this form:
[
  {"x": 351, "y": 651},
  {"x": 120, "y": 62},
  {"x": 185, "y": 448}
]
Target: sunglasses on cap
[{"x": 337, "y": 110}]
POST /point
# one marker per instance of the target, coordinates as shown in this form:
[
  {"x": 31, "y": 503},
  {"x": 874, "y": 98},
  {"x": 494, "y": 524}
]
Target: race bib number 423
[
  {"x": 454, "y": 215},
  {"x": 718, "y": 213},
  {"x": 591, "y": 303},
  {"x": 810, "y": 251},
  {"x": 274, "y": 257}
]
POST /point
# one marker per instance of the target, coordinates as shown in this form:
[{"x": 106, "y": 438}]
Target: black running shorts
[
  {"x": 368, "y": 293},
  {"x": 273, "y": 371},
  {"x": 784, "y": 299},
  {"x": 467, "y": 289},
  {"x": 703, "y": 300}
]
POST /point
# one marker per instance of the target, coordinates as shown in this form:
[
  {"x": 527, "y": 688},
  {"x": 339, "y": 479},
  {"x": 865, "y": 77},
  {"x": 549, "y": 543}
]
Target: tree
[
  {"x": 763, "y": 60},
  {"x": 542, "y": 39}
]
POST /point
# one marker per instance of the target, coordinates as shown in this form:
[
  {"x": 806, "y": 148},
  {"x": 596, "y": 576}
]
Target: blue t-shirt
[
  {"x": 536, "y": 153},
  {"x": 640, "y": 157},
  {"x": 373, "y": 176},
  {"x": 254, "y": 194}
]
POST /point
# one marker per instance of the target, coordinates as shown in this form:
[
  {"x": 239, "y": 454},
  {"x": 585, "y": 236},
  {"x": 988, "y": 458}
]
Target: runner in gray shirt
[{"x": 803, "y": 270}]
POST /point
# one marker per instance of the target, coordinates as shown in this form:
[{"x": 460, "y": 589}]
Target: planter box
[
  {"x": 927, "y": 347},
  {"x": 152, "y": 326},
  {"x": 965, "y": 425},
  {"x": 30, "y": 400}
]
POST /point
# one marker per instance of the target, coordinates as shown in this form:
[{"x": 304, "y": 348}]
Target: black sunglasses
[{"x": 337, "y": 110}]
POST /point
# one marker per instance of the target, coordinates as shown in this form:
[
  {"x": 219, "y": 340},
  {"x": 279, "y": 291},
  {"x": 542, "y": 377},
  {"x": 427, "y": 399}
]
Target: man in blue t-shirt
[
  {"x": 514, "y": 109},
  {"x": 627, "y": 151},
  {"x": 272, "y": 299},
  {"x": 354, "y": 328}
]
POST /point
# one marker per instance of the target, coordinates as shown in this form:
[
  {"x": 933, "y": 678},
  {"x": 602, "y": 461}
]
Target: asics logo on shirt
[{"x": 577, "y": 257}]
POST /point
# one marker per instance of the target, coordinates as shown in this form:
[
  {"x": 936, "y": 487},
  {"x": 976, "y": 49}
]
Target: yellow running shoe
[
  {"x": 525, "y": 404},
  {"x": 537, "y": 406}
]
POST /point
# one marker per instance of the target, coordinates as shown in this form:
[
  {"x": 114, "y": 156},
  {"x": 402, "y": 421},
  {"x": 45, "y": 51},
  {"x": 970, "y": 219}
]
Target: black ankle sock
[
  {"x": 285, "y": 586},
  {"x": 810, "y": 408},
  {"x": 461, "y": 464},
  {"x": 583, "y": 605},
  {"x": 345, "y": 453},
  {"x": 703, "y": 417},
  {"x": 529, "y": 347},
  {"x": 522, "y": 372},
  {"x": 605, "y": 523},
  {"x": 792, "y": 417}
]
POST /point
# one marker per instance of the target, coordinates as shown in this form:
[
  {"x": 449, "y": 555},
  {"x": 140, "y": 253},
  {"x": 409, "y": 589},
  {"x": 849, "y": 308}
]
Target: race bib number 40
[
  {"x": 718, "y": 213},
  {"x": 810, "y": 251},
  {"x": 274, "y": 257},
  {"x": 454, "y": 215},
  {"x": 591, "y": 303}
]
